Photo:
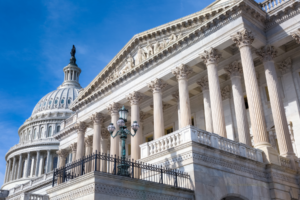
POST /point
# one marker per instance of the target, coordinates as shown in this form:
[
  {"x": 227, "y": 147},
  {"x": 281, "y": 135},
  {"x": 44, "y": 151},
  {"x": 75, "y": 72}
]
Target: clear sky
[{"x": 36, "y": 38}]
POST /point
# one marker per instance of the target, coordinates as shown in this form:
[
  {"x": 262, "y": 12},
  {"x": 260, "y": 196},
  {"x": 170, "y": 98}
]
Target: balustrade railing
[
  {"x": 269, "y": 5},
  {"x": 192, "y": 134},
  {"x": 113, "y": 165}
]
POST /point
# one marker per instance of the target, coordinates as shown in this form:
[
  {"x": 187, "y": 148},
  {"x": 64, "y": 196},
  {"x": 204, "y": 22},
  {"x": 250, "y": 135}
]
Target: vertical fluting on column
[
  {"x": 48, "y": 161},
  {"x": 296, "y": 36},
  {"x": 62, "y": 154},
  {"x": 181, "y": 74},
  {"x": 210, "y": 58},
  {"x": 27, "y": 172},
  {"x": 114, "y": 142},
  {"x": 104, "y": 147},
  {"x": 19, "y": 167},
  {"x": 203, "y": 82},
  {"x": 281, "y": 127},
  {"x": 176, "y": 97},
  {"x": 244, "y": 40},
  {"x": 37, "y": 163},
  {"x": 97, "y": 119},
  {"x": 135, "y": 98},
  {"x": 81, "y": 128},
  {"x": 235, "y": 71},
  {"x": 88, "y": 145},
  {"x": 9, "y": 171},
  {"x": 159, "y": 128},
  {"x": 13, "y": 169},
  {"x": 6, "y": 172},
  {"x": 73, "y": 148}
]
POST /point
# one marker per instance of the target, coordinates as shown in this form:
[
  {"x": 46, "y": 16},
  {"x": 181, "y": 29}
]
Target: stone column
[
  {"x": 244, "y": 40},
  {"x": 181, "y": 74},
  {"x": 81, "y": 127},
  {"x": 27, "y": 167},
  {"x": 176, "y": 97},
  {"x": 48, "y": 161},
  {"x": 159, "y": 128},
  {"x": 114, "y": 145},
  {"x": 13, "y": 169},
  {"x": 6, "y": 172},
  {"x": 235, "y": 71},
  {"x": 210, "y": 58},
  {"x": 19, "y": 167},
  {"x": 203, "y": 82},
  {"x": 89, "y": 150},
  {"x": 41, "y": 164},
  {"x": 281, "y": 126},
  {"x": 103, "y": 148},
  {"x": 73, "y": 148},
  {"x": 31, "y": 173},
  {"x": 97, "y": 119},
  {"x": 296, "y": 36},
  {"x": 62, "y": 161},
  {"x": 37, "y": 165},
  {"x": 135, "y": 99}
]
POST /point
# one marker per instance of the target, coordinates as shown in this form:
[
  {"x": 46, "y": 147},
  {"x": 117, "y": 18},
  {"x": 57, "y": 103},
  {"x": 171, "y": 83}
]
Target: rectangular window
[
  {"x": 54, "y": 162},
  {"x": 129, "y": 149},
  {"x": 149, "y": 138},
  {"x": 267, "y": 93},
  {"x": 192, "y": 121},
  {"x": 168, "y": 130},
  {"x": 246, "y": 102}
]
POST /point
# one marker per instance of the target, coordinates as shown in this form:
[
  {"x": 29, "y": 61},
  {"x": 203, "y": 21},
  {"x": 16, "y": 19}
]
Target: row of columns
[{"x": 33, "y": 166}]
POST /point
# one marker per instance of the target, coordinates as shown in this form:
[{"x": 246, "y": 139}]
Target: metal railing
[{"x": 106, "y": 163}]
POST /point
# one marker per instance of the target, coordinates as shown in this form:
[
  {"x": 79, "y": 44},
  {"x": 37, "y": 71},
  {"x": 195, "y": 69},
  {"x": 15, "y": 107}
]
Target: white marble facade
[{"x": 229, "y": 73}]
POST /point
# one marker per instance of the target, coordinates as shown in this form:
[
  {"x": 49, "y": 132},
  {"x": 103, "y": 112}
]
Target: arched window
[
  {"x": 57, "y": 129},
  {"x": 62, "y": 101},
  {"x": 50, "y": 102},
  {"x": 42, "y": 132},
  {"x": 49, "y": 131},
  {"x": 55, "y": 102},
  {"x": 69, "y": 101}
]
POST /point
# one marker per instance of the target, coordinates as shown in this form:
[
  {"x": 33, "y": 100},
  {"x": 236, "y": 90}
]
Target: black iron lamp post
[{"x": 123, "y": 132}]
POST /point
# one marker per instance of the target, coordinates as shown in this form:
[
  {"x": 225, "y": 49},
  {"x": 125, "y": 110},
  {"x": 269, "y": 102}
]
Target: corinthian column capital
[
  {"x": 63, "y": 153},
  {"x": 181, "y": 72},
  {"x": 81, "y": 126},
  {"x": 134, "y": 98},
  {"x": 97, "y": 118},
  {"x": 203, "y": 83},
  {"x": 89, "y": 141},
  {"x": 113, "y": 107},
  {"x": 243, "y": 38},
  {"x": 285, "y": 65},
  {"x": 104, "y": 133},
  {"x": 73, "y": 147},
  {"x": 156, "y": 85},
  {"x": 225, "y": 92},
  {"x": 296, "y": 36},
  {"x": 210, "y": 56},
  {"x": 266, "y": 53},
  {"x": 234, "y": 69}
]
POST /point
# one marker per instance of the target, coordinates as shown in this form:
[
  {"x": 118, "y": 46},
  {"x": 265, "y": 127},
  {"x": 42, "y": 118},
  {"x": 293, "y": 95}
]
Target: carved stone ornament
[
  {"x": 234, "y": 69},
  {"x": 225, "y": 92},
  {"x": 296, "y": 36},
  {"x": 98, "y": 118},
  {"x": 134, "y": 98},
  {"x": 81, "y": 126},
  {"x": 266, "y": 53},
  {"x": 113, "y": 107},
  {"x": 89, "y": 141},
  {"x": 156, "y": 85},
  {"x": 181, "y": 72},
  {"x": 63, "y": 153},
  {"x": 143, "y": 116},
  {"x": 285, "y": 65},
  {"x": 104, "y": 133},
  {"x": 243, "y": 38},
  {"x": 210, "y": 56},
  {"x": 203, "y": 83},
  {"x": 141, "y": 55},
  {"x": 175, "y": 95},
  {"x": 73, "y": 147},
  {"x": 129, "y": 65}
]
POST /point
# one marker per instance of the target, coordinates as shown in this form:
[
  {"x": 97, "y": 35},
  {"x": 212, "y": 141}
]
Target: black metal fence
[{"x": 109, "y": 164}]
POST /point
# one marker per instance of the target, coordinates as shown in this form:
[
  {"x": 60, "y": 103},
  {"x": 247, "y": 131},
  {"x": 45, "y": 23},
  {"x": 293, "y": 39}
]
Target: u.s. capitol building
[{"x": 205, "y": 107}]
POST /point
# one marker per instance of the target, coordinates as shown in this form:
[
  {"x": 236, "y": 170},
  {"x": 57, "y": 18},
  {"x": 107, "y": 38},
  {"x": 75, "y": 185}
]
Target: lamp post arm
[
  {"x": 117, "y": 133},
  {"x": 128, "y": 132}
]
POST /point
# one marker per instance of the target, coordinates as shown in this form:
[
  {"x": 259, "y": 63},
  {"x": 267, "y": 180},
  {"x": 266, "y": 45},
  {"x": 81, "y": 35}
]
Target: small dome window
[
  {"x": 44, "y": 103},
  {"x": 50, "y": 102},
  {"x": 55, "y": 101},
  {"x": 69, "y": 101},
  {"x": 62, "y": 101}
]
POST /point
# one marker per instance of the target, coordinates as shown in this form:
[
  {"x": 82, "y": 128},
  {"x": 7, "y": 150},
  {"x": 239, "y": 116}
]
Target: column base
[{"x": 270, "y": 155}]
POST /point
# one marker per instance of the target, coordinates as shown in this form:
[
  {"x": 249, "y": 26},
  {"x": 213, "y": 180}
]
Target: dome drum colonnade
[{"x": 213, "y": 103}]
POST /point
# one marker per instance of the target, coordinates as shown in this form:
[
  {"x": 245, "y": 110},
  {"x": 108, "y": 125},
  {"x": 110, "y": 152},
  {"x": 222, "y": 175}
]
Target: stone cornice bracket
[
  {"x": 203, "y": 83},
  {"x": 210, "y": 56},
  {"x": 113, "y": 108},
  {"x": 234, "y": 69},
  {"x": 81, "y": 126},
  {"x": 266, "y": 53},
  {"x": 156, "y": 85},
  {"x": 243, "y": 38},
  {"x": 98, "y": 118},
  {"x": 104, "y": 133},
  {"x": 63, "y": 153},
  {"x": 285, "y": 65},
  {"x": 73, "y": 147},
  {"x": 134, "y": 98},
  {"x": 296, "y": 36},
  {"x": 225, "y": 92},
  {"x": 175, "y": 95},
  {"x": 182, "y": 71},
  {"x": 89, "y": 141}
]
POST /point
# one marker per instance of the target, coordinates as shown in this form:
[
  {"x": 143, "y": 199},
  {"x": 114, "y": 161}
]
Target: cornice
[{"x": 196, "y": 34}]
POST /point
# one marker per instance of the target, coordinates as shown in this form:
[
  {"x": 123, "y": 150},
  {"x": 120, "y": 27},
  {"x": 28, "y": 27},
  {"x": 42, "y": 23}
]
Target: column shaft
[
  {"x": 81, "y": 126},
  {"x": 37, "y": 166},
  {"x": 114, "y": 142},
  {"x": 48, "y": 161},
  {"x": 6, "y": 172},
  {"x": 103, "y": 146},
  {"x": 13, "y": 169},
  {"x": 19, "y": 167},
  {"x": 207, "y": 111}
]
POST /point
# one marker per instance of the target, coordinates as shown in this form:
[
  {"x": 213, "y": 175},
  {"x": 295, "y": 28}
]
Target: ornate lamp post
[{"x": 123, "y": 132}]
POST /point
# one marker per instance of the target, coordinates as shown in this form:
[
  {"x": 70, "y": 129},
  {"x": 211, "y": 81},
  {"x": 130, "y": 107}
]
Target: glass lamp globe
[
  {"x": 123, "y": 113},
  {"x": 111, "y": 128},
  {"x": 121, "y": 122},
  {"x": 135, "y": 126}
]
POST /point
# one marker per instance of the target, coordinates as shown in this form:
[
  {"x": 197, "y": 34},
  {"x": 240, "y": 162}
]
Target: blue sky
[{"x": 36, "y": 38}]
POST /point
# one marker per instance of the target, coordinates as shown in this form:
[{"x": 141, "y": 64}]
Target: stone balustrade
[
  {"x": 192, "y": 134},
  {"x": 269, "y": 5}
]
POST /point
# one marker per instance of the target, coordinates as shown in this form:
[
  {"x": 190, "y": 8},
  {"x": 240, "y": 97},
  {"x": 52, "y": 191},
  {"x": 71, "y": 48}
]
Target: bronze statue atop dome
[{"x": 73, "y": 59}]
